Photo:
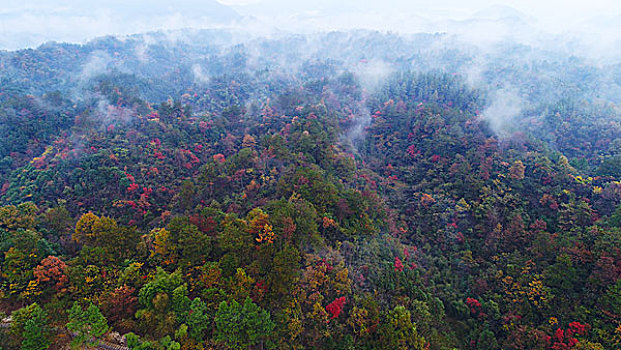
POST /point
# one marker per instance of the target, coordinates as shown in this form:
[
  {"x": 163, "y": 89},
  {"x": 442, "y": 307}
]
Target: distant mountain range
[
  {"x": 39, "y": 21},
  {"x": 28, "y": 25}
]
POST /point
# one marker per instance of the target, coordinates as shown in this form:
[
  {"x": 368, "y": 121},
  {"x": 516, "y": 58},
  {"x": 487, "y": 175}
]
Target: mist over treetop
[{"x": 340, "y": 189}]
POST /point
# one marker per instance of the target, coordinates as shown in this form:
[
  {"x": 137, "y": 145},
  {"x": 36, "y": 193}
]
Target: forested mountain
[{"x": 347, "y": 190}]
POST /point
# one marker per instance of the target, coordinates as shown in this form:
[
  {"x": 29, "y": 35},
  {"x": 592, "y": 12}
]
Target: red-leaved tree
[
  {"x": 336, "y": 307},
  {"x": 51, "y": 270}
]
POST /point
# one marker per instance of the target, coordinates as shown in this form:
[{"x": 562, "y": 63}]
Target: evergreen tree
[
  {"x": 30, "y": 324},
  {"x": 242, "y": 326},
  {"x": 87, "y": 324},
  {"x": 34, "y": 335}
]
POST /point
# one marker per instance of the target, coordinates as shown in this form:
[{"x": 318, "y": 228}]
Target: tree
[
  {"x": 52, "y": 271},
  {"x": 284, "y": 273},
  {"x": 87, "y": 324},
  {"x": 185, "y": 243},
  {"x": 23, "y": 216},
  {"x": 35, "y": 338},
  {"x": 517, "y": 170},
  {"x": 58, "y": 219},
  {"x": 30, "y": 324},
  {"x": 336, "y": 307},
  {"x": 198, "y": 319},
  {"x": 84, "y": 228},
  {"x": 164, "y": 301},
  {"x": 21, "y": 251},
  {"x": 242, "y": 326},
  {"x": 119, "y": 305},
  {"x": 118, "y": 242},
  {"x": 398, "y": 331}
]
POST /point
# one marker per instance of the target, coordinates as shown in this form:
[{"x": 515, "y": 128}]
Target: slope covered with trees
[{"x": 214, "y": 192}]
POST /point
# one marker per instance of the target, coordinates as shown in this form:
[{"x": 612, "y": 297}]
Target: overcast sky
[
  {"x": 547, "y": 10},
  {"x": 28, "y": 23}
]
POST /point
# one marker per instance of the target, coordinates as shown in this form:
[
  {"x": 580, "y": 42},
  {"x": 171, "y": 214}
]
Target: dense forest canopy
[{"x": 208, "y": 189}]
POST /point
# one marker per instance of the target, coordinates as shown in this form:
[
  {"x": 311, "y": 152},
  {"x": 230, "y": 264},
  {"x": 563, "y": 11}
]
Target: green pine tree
[
  {"x": 88, "y": 325},
  {"x": 35, "y": 336},
  {"x": 30, "y": 324},
  {"x": 242, "y": 326}
]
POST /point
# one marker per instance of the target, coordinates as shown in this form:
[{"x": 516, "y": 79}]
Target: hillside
[{"x": 348, "y": 190}]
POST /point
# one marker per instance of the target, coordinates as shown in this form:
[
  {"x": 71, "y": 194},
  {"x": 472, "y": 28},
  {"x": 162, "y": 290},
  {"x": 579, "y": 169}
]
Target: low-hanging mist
[{"x": 351, "y": 189}]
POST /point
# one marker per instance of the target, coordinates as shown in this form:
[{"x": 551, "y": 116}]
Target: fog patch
[
  {"x": 373, "y": 74},
  {"x": 140, "y": 52},
  {"x": 503, "y": 110},
  {"x": 357, "y": 131},
  {"x": 96, "y": 64},
  {"x": 108, "y": 114},
  {"x": 474, "y": 73},
  {"x": 199, "y": 76},
  {"x": 362, "y": 120}
]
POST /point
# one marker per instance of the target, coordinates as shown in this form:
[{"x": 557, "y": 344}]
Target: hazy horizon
[{"x": 29, "y": 24}]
